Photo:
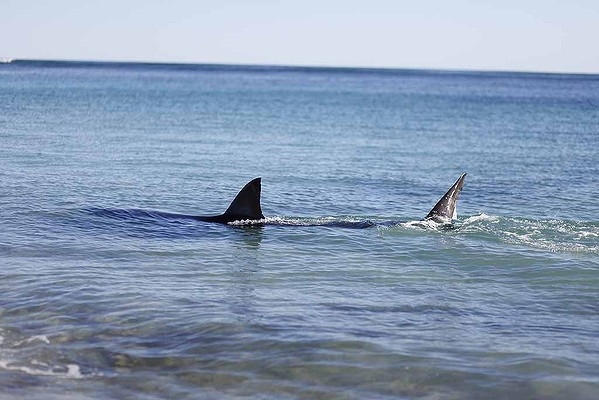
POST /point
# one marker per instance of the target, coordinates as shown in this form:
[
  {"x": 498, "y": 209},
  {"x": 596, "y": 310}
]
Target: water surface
[{"x": 103, "y": 297}]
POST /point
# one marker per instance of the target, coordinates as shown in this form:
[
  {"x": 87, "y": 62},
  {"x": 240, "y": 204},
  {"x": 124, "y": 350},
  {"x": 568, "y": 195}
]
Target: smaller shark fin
[{"x": 445, "y": 210}]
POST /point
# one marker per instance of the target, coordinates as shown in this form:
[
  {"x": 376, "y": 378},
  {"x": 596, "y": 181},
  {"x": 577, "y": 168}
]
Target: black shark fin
[{"x": 245, "y": 206}]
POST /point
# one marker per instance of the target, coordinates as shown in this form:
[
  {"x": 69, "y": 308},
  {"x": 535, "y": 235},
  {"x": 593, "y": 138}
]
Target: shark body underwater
[{"x": 246, "y": 208}]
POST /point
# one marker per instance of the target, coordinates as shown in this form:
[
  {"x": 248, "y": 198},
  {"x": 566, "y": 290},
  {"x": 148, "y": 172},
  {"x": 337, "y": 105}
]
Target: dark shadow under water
[
  {"x": 141, "y": 217},
  {"x": 560, "y": 236}
]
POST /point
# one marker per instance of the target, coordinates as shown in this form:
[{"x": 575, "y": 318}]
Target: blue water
[{"x": 104, "y": 297}]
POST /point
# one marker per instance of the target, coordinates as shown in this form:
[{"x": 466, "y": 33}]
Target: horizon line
[{"x": 10, "y": 60}]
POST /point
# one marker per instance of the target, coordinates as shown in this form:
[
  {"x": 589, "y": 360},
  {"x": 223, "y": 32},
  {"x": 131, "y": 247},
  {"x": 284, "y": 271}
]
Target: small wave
[
  {"x": 6, "y": 60},
  {"x": 552, "y": 235}
]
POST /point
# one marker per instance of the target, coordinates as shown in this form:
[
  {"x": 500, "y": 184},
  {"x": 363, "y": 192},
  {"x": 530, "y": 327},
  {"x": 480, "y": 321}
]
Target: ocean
[{"x": 340, "y": 292}]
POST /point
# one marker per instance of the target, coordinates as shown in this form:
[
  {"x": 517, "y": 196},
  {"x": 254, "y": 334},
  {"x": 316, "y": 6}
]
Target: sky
[{"x": 499, "y": 35}]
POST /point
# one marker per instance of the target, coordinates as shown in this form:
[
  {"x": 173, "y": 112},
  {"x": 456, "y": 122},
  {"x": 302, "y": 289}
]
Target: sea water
[{"x": 103, "y": 297}]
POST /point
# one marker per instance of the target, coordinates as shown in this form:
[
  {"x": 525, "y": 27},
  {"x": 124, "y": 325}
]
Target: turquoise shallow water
[{"x": 104, "y": 297}]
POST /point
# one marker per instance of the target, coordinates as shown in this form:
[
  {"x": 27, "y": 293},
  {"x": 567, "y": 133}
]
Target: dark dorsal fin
[
  {"x": 246, "y": 204},
  {"x": 445, "y": 209}
]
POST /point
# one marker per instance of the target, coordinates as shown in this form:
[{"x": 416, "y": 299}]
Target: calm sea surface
[{"x": 103, "y": 297}]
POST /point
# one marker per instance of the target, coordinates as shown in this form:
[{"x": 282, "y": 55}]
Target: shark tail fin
[
  {"x": 246, "y": 204},
  {"x": 445, "y": 210}
]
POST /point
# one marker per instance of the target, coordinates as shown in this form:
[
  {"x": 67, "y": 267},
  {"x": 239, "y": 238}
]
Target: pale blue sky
[{"x": 521, "y": 35}]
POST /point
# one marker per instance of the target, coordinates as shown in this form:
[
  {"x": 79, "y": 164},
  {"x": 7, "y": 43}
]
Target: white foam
[
  {"x": 32, "y": 339},
  {"x": 427, "y": 223},
  {"x": 36, "y": 367},
  {"x": 276, "y": 220},
  {"x": 245, "y": 222},
  {"x": 283, "y": 221},
  {"x": 481, "y": 217},
  {"x": 536, "y": 235},
  {"x": 286, "y": 221},
  {"x": 39, "y": 368}
]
